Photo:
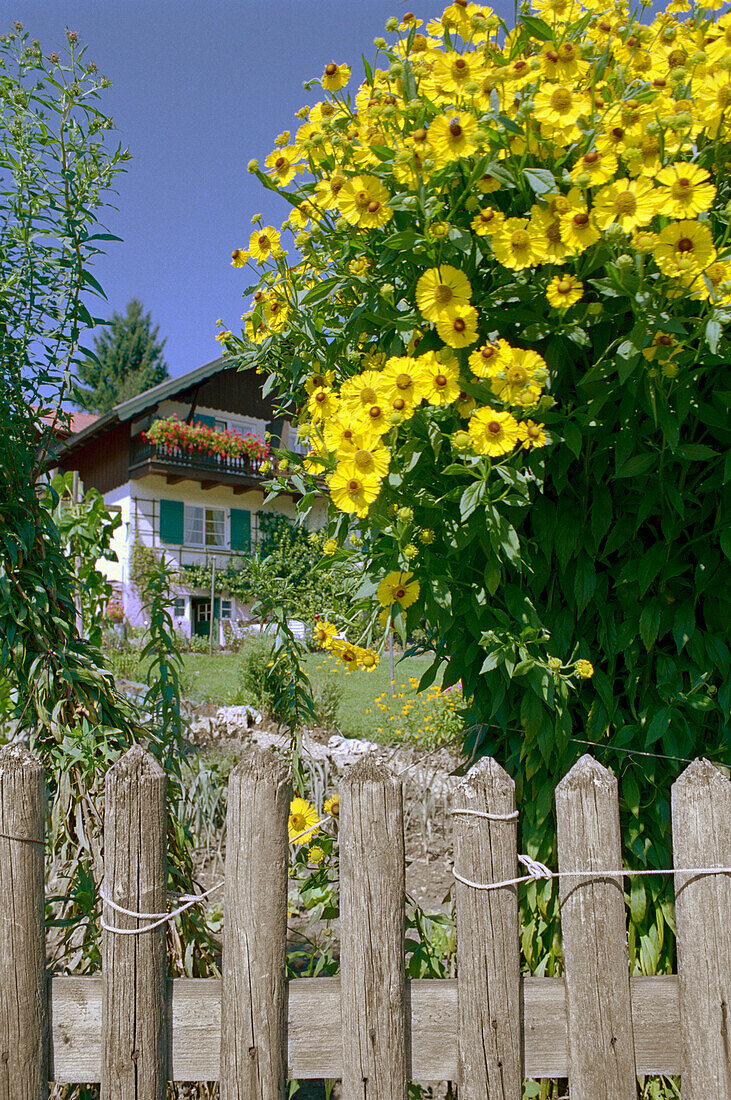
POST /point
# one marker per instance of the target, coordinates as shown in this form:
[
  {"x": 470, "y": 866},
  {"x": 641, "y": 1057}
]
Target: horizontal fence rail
[
  {"x": 133, "y": 1029},
  {"x": 146, "y": 451}
]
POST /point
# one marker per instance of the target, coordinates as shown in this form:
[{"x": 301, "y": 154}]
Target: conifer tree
[{"x": 130, "y": 360}]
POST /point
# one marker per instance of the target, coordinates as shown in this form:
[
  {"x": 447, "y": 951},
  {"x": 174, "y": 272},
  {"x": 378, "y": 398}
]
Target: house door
[{"x": 202, "y": 616}]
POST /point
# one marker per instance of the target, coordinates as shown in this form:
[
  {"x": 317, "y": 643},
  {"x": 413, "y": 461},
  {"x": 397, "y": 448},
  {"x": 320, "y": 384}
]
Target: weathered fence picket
[{"x": 133, "y": 1029}]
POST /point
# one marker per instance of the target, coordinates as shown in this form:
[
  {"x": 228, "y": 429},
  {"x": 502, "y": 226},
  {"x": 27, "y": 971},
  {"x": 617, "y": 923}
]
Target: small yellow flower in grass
[
  {"x": 316, "y": 854},
  {"x": 493, "y": 433},
  {"x": 335, "y": 76},
  {"x": 441, "y": 288},
  {"x": 584, "y": 669},
  {"x": 239, "y": 257},
  {"x": 398, "y": 588},
  {"x": 564, "y": 291},
  {"x": 369, "y": 660},
  {"x": 457, "y": 327},
  {"x": 303, "y": 819},
  {"x": 332, "y": 806}
]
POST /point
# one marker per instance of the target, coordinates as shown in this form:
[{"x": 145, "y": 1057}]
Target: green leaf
[
  {"x": 638, "y": 464},
  {"x": 540, "y": 180},
  {"x": 650, "y": 623},
  {"x": 584, "y": 583},
  {"x": 537, "y": 28},
  {"x": 713, "y": 334},
  {"x": 573, "y": 437},
  {"x": 470, "y": 498}
]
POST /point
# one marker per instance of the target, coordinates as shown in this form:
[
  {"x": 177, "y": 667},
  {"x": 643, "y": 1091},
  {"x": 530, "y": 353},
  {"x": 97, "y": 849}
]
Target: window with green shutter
[
  {"x": 205, "y": 421},
  {"x": 172, "y": 521},
  {"x": 240, "y": 530}
]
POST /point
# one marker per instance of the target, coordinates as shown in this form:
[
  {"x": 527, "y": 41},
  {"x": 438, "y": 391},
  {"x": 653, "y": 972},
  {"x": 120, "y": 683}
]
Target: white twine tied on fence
[
  {"x": 187, "y": 900},
  {"x": 537, "y": 870}
]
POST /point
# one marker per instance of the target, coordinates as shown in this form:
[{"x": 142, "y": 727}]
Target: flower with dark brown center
[
  {"x": 374, "y": 206},
  {"x": 591, "y": 158},
  {"x": 494, "y": 427},
  {"x": 403, "y": 381},
  {"x": 454, "y": 128},
  {"x": 399, "y": 593},
  {"x": 353, "y": 485},
  {"x": 459, "y": 326},
  {"x": 280, "y": 162},
  {"x": 685, "y": 245},
  {"x": 440, "y": 380},
  {"x": 581, "y": 219},
  {"x": 375, "y": 412},
  {"x": 331, "y": 69},
  {"x": 399, "y": 404},
  {"x": 264, "y": 241}
]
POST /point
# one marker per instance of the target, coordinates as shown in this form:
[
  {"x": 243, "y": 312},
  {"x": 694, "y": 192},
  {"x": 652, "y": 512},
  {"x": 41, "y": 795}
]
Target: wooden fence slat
[
  {"x": 701, "y": 810},
  {"x": 372, "y": 900},
  {"x": 23, "y": 987},
  {"x": 134, "y": 982},
  {"x": 594, "y": 930},
  {"x": 488, "y": 951},
  {"x": 254, "y": 991}
]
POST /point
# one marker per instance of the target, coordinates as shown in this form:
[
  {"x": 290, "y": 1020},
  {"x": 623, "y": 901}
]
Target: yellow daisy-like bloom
[
  {"x": 560, "y": 105},
  {"x": 316, "y": 854},
  {"x": 374, "y": 419},
  {"x": 516, "y": 244},
  {"x": 332, "y": 806},
  {"x": 398, "y": 588},
  {"x": 684, "y": 248},
  {"x": 322, "y": 380},
  {"x": 263, "y": 242},
  {"x": 440, "y": 380},
  {"x": 327, "y": 191},
  {"x": 452, "y": 71},
  {"x": 324, "y": 632},
  {"x": 303, "y": 819},
  {"x": 716, "y": 284},
  {"x": 346, "y": 652},
  {"x": 578, "y": 230},
  {"x": 368, "y": 457},
  {"x": 594, "y": 168},
  {"x": 531, "y": 435},
  {"x": 239, "y": 257},
  {"x": 362, "y": 391},
  {"x": 352, "y": 491},
  {"x": 402, "y": 379},
  {"x": 686, "y": 191},
  {"x": 369, "y": 659},
  {"x": 627, "y": 203},
  {"x": 458, "y": 326},
  {"x": 330, "y": 546},
  {"x": 564, "y": 291},
  {"x": 451, "y": 137},
  {"x": 643, "y": 240},
  {"x": 488, "y": 184},
  {"x": 284, "y": 164},
  {"x": 519, "y": 376},
  {"x": 493, "y": 433},
  {"x": 322, "y": 404},
  {"x": 547, "y": 227},
  {"x": 484, "y": 361},
  {"x": 487, "y": 221},
  {"x": 664, "y": 346},
  {"x": 335, "y": 76},
  {"x": 440, "y": 289},
  {"x": 362, "y": 201},
  {"x": 584, "y": 669}
]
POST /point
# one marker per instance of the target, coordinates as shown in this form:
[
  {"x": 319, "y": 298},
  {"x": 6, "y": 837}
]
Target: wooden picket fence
[{"x": 134, "y": 1029}]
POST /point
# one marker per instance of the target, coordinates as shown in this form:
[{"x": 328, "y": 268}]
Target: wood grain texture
[
  {"x": 313, "y": 1028},
  {"x": 488, "y": 951},
  {"x": 594, "y": 931},
  {"x": 253, "y": 1017},
  {"x": 134, "y": 1064},
  {"x": 23, "y": 1006},
  {"x": 701, "y": 809},
  {"x": 372, "y": 903}
]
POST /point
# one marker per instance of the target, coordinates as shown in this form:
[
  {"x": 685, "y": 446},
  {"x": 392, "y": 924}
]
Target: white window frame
[
  {"x": 187, "y": 525},
  {"x": 179, "y": 600},
  {"x": 226, "y": 610}
]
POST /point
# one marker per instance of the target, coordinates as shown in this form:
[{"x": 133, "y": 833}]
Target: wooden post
[
  {"x": 254, "y": 991},
  {"x": 23, "y": 992},
  {"x": 372, "y": 899},
  {"x": 134, "y": 983},
  {"x": 213, "y": 606},
  {"x": 488, "y": 951},
  {"x": 594, "y": 930},
  {"x": 701, "y": 807}
]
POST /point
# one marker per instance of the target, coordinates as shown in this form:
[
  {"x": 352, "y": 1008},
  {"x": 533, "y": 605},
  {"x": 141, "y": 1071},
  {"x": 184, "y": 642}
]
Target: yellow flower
[
  {"x": 484, "y": 360},
  {"x": 398, "y": 588},
  {"x": 627, "y": 203},
  {"x": 335, "y": 77},
  {"x": 683, "y": 248},
  {"x": 303, "y": 819},
  {"x": 594, "y": 168},
  {"x": 440, "y": 289},
  {"x": 516, "y": 244},
  {"x": 578, "y": 230},
  {"x": 324, "y": 633},
  {"x": 264, "y": 241},
  {"x": 451, "y": 137},
  {"x": 322, "y": 404},
  {"x": 487, "y": 221},
  {"x": 427, "y": 536},
  {"x": 327, "y": 191},
  {"x": 367, "y": 454},
  {"x": 564, "y": 291},
  {"x": 402, "y": 378},
  {"x": 316, "y": 854},
  {"x": 330, "y": 546},
  {"x": 493, "y": 433},
  {"x": 239, "y": 257},
  {"x": 686, "y": 191},
  {"x": 584, "y": 669},
  {"x": 560, "y": 106},
  {"x": 457, "y": 326},
  {"x": 284, "y": 164},
  {"x": 352, "y": 491},
  {"x": 332, "y": 806},
  {"x": 519, "y": 376},
  {"x": 368, "y": 659},
  {"x": 362, "y": 201},
  {"x": 531, "y": 435},
  {"x": 346, "y": 652},
  {"x": 440, "y": 380}
]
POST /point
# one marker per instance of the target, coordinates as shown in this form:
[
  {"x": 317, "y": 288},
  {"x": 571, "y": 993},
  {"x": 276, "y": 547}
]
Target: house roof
[
  {"x": 72, "y": 424},
  {"x": 126, "y": 410}
]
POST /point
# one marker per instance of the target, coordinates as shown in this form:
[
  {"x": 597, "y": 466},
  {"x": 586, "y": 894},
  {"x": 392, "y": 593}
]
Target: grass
[{"x": 215, "y": 680}]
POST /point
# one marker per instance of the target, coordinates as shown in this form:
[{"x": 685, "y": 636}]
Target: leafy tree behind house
[{"x": 129, "y": 360}]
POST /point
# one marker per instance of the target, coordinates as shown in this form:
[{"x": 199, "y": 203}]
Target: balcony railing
[{"x": 143, "y": 451}]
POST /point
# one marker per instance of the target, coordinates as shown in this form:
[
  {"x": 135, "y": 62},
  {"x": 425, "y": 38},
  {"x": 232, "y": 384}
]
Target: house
[{"x": 195, "y": 507}]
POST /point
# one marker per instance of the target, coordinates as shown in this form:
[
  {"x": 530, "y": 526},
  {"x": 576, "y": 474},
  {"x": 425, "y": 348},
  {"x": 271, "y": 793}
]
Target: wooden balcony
[{"x": 175, "y": 464}]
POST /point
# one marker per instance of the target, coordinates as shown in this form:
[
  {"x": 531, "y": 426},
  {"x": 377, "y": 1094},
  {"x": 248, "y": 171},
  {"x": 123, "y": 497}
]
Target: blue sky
[{"x": 199, "y": 87}]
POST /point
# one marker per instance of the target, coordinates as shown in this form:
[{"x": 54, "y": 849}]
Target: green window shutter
[
  {"x": 206, "y": 421},
  {"x": 240, "y": 529},
  {"x": 275, "y": 429},
  {"x": 171, "y": 521}
]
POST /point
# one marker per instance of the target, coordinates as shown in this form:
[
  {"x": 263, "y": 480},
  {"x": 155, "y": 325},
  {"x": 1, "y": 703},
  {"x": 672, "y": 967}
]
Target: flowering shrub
[
  {"x": 506, "y": 334},
  {"x": 173, "y": 434},
  {"x": 427, "y": 719}
]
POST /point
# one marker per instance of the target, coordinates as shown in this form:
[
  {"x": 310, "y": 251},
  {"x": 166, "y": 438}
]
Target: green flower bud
[
  {"x": 252, "y": 165},
  {"x": 392, "y": 24},
  {"x": 396, "y": 70},
  {"x": 341, "y": 225},
  {"x": 406, "y": 514},
  {"x": 379, "y": 43}
]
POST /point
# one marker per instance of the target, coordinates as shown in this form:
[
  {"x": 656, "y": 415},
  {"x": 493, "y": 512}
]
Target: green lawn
[{"x": 215, "y": 680}]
